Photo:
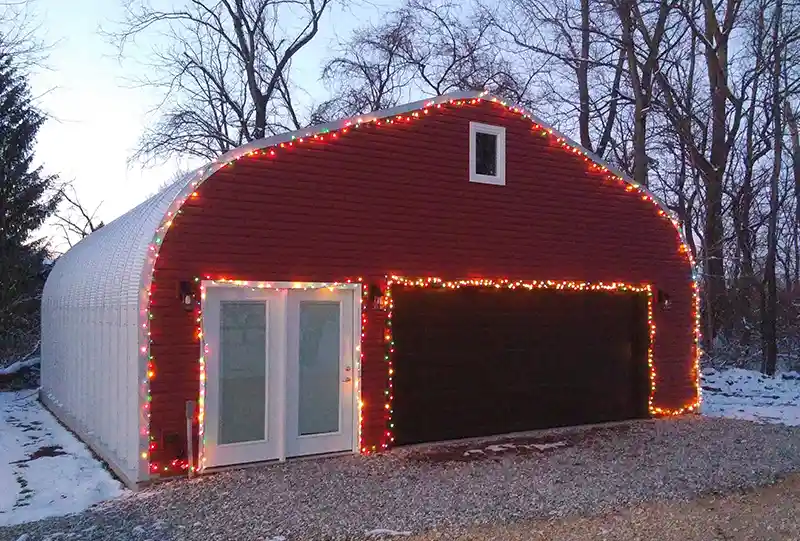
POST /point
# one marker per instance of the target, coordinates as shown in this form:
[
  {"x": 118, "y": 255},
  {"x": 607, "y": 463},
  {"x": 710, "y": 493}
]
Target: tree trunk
[
  {"x": 714, "y": 255},
  {"x": 641, "y": 73},
  {"x": 624, "y": 9},
  {"x": 583, "y": 77},
  {"x": 687, "y": 207},
  {"x": 714, "y": 173},
  {"x": 746, "y": 285},
  {"x": 791, "y": 118},
  {"x": 770, "y": 303}
]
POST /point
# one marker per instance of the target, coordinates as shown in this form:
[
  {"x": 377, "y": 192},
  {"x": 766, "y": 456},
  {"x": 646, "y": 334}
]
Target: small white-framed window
[{"x": 487, "y": 154}]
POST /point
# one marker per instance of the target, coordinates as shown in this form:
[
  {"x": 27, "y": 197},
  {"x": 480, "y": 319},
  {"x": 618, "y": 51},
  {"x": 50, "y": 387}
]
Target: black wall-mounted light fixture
[
  {"x": 187, "y": 295},
  {"x": 663, "y": 299},
  {"x": 376, "y": 297}
]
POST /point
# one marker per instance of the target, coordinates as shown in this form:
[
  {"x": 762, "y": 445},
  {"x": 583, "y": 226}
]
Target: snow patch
[
  {"x": 749, "y": 395},
  {"x": 501, "y": 447},
  {"x": 44, "y": 470},
  {"x": 546, "y": 446},
  {"x": 17, "y": 366}
]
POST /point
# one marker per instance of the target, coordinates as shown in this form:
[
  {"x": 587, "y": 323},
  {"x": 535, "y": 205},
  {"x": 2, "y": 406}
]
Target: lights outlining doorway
[{"x": 504, "y": 283}]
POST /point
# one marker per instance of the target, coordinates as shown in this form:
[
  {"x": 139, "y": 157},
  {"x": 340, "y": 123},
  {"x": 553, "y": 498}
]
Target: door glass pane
[
  {"x": 243, "y": 377},
  {"x": 319, "y": 367}
]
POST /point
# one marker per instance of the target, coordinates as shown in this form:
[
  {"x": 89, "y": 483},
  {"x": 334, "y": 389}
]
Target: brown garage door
[{"x": 481, "y": 361}]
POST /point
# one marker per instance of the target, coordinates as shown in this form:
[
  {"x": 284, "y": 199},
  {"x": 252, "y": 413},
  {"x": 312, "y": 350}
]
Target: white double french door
[{"x": 280, "y": 372}]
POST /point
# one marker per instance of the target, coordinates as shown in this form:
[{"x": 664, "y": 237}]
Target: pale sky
[{"x": 97, "y": 118}]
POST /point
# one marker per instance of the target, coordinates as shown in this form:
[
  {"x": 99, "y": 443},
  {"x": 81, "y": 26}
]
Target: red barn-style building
[{"x": 446, "y": 269}]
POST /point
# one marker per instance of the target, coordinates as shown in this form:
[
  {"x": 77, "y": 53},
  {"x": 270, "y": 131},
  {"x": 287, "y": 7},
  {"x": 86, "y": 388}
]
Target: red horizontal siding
[{"x": 396, "y": 199}]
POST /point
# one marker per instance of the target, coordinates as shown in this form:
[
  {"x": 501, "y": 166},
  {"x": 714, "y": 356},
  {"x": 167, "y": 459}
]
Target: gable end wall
[{"x": 396, "y": 199}]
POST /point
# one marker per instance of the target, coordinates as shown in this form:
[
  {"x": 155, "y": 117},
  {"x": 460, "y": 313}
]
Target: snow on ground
[
  {"x": 18, "y": 365},
  {"x": 44, "y": 470},
  {"x": 752, "y": 396},
  {"x": 509, "y": 446}
]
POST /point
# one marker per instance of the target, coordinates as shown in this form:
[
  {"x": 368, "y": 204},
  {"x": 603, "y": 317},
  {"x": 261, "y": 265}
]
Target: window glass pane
[
  {"x": 243, "y": 377},
  {"x": 319, "y": 352},
  {"x": 486, "y": 154}
]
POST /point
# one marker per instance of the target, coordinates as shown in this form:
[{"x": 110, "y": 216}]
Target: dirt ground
[{"x": 769, "y": 513}]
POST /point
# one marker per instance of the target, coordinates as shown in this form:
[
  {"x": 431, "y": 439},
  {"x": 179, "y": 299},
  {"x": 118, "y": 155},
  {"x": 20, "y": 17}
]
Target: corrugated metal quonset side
[{"x": 91, "y": 306}]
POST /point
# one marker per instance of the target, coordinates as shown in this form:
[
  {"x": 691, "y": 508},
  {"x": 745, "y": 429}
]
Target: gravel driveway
[
  {"x": 764, "y": 514},
  {"x": 594, "y": 471}
]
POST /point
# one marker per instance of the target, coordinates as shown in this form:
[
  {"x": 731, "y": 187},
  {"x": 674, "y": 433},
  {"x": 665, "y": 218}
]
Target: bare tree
[
  {"x": 744, "y": 195},
  {"x": 73, "y": 218},
  {"x": 424, "y": 47},
  {"x": 370, "y": 71},
  {"x": 574, "y": 47},
  {"x": 451, "y": 51},
  {"x": 224, "y": 71},
  {"x": 642, "y": 42},
  {"x": 20, "y": 32},
  {"x": 770, "y": 296},
  {"x": 710, "y": 150},
  {"x": 792, "y": 120}
]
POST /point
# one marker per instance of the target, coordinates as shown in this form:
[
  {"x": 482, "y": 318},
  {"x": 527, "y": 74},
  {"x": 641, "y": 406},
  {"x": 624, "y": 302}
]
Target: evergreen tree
[{"x": 27, "y": 199}]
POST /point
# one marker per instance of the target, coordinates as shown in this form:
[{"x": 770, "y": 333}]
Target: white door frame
[
  {"x": 328, "y": 442},
  {"x": 280, "y": 372},
  {"x": 268, "y": 448}
]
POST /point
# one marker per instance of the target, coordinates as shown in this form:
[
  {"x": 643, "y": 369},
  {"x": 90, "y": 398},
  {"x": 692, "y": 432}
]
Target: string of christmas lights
[
  {"x": 389, "y": 358},
  {"x": 326, "y": 134},
  {"x": 503, "y": 283},
  {"x": 358, "y": 397},
  {"x": 204, "y": 346}
]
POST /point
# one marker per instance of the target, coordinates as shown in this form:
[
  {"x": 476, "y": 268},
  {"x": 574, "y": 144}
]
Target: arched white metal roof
[{"x": 105, "y": 267}]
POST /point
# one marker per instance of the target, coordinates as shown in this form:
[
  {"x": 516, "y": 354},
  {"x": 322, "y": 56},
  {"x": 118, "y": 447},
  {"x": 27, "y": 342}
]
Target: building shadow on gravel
[{"x": 520, "y": 444}]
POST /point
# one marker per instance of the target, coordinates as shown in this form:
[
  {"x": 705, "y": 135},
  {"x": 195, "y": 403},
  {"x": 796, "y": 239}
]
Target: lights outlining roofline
[{"x": 271, "y": 147}]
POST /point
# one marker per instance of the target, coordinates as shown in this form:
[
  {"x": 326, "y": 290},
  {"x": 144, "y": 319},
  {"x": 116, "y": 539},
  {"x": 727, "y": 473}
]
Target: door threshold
[
  {"x": 334, "y": 454},
  {"x": 274, "y": 461}
]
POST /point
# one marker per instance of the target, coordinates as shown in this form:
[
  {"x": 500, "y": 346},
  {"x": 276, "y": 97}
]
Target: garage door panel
[
  {"x": 499, "y": 396},
  {"x": 528, "y": 368},
  {"x": 531, "y": 365},
  {"x": 481, "y": 361}
]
